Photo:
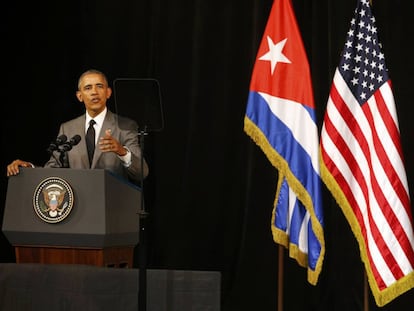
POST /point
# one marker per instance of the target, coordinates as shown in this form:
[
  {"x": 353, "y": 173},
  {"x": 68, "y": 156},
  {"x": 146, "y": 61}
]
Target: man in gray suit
[{"x": 115, "y": 147}]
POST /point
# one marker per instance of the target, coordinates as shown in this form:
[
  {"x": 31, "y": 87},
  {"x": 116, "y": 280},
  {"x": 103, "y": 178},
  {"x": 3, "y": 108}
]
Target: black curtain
[{"x": 210, "y": 190}]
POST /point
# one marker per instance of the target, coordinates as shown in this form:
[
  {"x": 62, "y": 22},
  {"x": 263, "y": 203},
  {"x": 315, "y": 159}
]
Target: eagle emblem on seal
[
  {"x": 53, "y": 199},
  {"x": 53, "y": 196}
]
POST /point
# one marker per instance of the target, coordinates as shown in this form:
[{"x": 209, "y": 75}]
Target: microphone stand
[
  {"x": 142, "y": 260},
  {"x": 61, "y": 146},
  {"x": 64, "y": 148},
  {"x": 63, "y": 159}
]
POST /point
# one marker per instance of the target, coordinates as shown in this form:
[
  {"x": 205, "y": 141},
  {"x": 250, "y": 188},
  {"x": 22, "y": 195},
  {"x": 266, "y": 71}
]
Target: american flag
[
  {"x": 362, "y": 160},
  {"x": 280, "y": 118}
]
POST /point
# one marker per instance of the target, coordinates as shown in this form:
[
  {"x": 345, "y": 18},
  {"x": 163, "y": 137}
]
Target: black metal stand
[
  {"x": 142, "y": 246},
  {"x": 140, "y": 99}
]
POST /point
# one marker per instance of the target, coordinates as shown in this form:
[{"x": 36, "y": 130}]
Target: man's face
[{"x": 94, "y": 92}]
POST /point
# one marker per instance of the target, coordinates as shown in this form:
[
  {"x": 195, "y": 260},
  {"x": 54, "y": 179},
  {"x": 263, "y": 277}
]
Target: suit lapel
[{"x": 82, "y": 146}]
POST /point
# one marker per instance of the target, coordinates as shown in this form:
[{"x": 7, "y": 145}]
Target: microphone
[
  {"x": 54, "y": 145},
  {"x": 66, "y": 146}
]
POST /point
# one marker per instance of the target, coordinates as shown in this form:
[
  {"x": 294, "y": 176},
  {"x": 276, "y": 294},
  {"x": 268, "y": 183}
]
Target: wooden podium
[{"x": 69, "y": 216}]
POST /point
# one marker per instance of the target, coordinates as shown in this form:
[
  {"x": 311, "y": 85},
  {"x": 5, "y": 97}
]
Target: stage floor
[{"x": 26, "y": 287}]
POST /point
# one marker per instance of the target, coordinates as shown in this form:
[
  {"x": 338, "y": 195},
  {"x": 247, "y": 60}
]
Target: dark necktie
[{"x": 90, "y": 141}]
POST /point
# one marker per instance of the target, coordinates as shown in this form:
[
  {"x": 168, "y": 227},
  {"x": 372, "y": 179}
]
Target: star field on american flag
[{"x": 362, "y": 63}]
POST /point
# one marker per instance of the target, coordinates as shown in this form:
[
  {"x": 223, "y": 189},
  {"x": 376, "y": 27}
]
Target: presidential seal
[{"x": 53, "y": 200}]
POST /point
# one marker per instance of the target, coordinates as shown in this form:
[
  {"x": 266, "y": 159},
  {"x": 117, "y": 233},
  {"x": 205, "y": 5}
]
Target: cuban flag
[{"x": 280, "y": 118}]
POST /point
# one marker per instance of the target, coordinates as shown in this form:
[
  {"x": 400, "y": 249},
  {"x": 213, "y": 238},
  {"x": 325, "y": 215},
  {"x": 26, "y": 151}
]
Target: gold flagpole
[
  {"x": 280, "y": 279},
  {"x": 366, "y": 301}
]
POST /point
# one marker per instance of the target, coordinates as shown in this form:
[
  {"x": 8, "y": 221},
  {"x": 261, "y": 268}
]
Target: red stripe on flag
[
  {"x": 393, "y": 130},
  {"x": 346, "y": 189},
  {"x": 399, "y": 188},
  {"x": 352, "y": 162},
  {"x": 343, "y": 145},
  {"x": 388, "y": 167}
]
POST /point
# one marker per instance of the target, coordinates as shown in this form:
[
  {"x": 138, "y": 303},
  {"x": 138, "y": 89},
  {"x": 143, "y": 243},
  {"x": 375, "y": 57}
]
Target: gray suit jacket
[{"x": 123, "y": 129}]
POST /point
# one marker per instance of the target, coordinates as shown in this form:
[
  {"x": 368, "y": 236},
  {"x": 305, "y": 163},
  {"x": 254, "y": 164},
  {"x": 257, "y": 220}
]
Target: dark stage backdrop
[{"x": 210, "y": 190}]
